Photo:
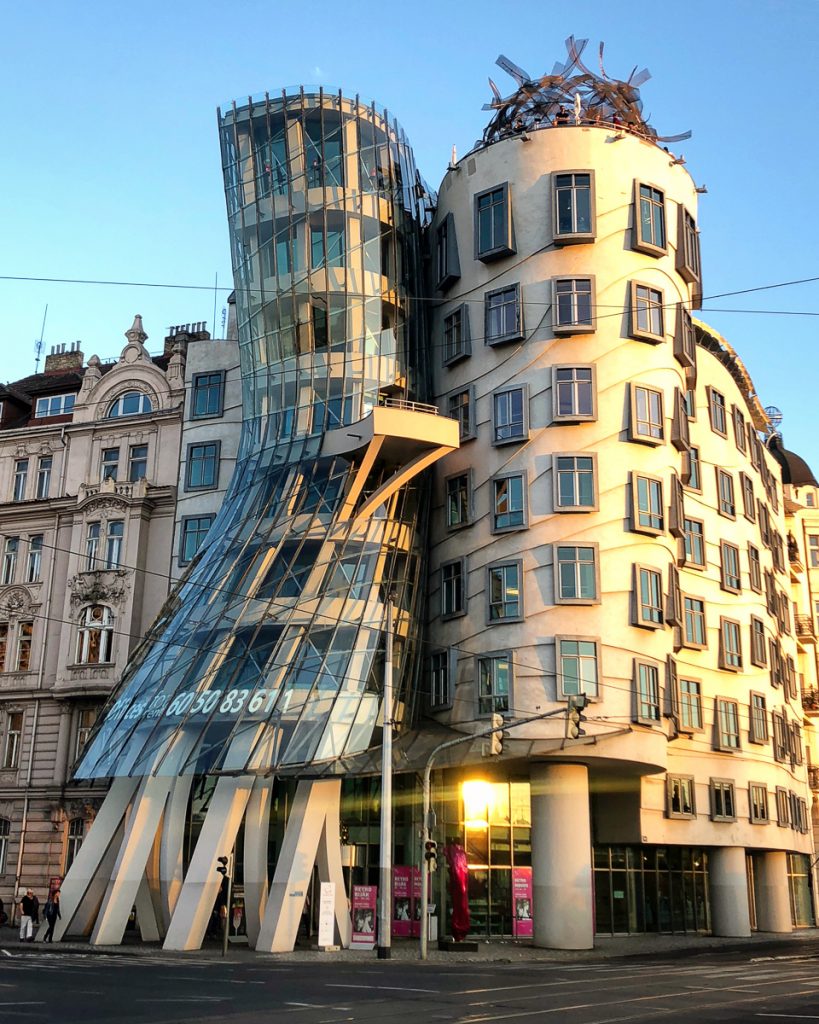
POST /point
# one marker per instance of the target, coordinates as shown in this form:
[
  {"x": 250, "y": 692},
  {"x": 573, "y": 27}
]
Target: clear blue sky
[{"x": 110, "y": 160}]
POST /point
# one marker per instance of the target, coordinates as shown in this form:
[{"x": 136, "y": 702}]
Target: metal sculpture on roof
[{"x": 595, "y": 98}]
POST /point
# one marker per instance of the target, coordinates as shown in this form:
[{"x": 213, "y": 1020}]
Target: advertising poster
[
  {"x": 402, "y": 909},
  {"x": 364, "y": 910},
  {"x": 522, "y": 902},
  {"x": 416, "y": 903}
]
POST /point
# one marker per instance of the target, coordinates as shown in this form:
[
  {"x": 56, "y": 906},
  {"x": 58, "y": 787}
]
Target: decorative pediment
[
  {"x": 101, "y": 586},
  {"x": 16, "y": 603}
]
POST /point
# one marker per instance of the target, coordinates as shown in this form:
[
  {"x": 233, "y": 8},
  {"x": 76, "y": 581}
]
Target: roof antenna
[{"x": 38, "y": 345}]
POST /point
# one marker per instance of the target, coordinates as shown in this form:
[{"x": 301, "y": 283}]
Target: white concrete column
[
  {"x": 561, "y": 856},
  {"x": 257, "y": 831},
  {"x": 730, "y": 916},
  {"x": 773, "y": 902}
]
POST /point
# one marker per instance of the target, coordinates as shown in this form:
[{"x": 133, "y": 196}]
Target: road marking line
[
  {"x": 790, "y": 1016},
  {"x": 390, "y": 988}
]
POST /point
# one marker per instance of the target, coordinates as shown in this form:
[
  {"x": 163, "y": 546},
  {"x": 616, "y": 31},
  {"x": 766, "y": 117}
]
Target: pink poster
[
  {"x": 522, "y": 902},
  {"x": 402, "y": 908},
  {"x": 416, "y": 903},
  {"x": 364, "y": 910}
]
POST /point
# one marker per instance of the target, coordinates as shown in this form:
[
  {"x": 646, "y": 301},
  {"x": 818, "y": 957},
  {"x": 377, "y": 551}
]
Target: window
[
  {"x": 573, "y": 305},
  {"x": 730, "y": 638},
  {"x": 493, "y": 224},
  {"x": 12, "y": 546},
  {"x": 92, "y": 546},
  {"x": 646, "y": 691},
  {"x": 573, "y": 207},
  {"x": 781, "y": 737},
  {"x": 76, "y": 834},
  {"x": 20, "y": 480},
  {"x": 729, "y": 567},
  {"x": 759, "y": 644},
  {"x": 691, "y": 403},
  {"x": 35, "y": 558},
  {"x": 54, "y": 405},
  {"x": 758, "y": 719},
  {"x": 754, "y": 569},
  {"x": 574, "y": 393},
  {"x": 510, "y": 415},
  {"x": 509, "y": 506},
  {"x": 723, "y": 805},
  {"x": 694, "y": 543},
  {"x": 447, "y": 264},
  {"x": 648, "y": 597},
  {"x": 452, "y": 589},
  {"x": 440, "y": 689},
  {"x": 460, "y": 407},
  {"x": 4, "y": 644},
  {"x": 691, "y": 472},
  {"x": 457, "y": 343},
  {"x": 716, "y": 412},
  {"x": 578, "y": 666},
  {"x": 694, "y": 634},
  {"x": 688, "y": 248},
  {"x": 110, "y": 464},
  {"x": 503, "y": 318},
  {"x": 14, "y": 733},
  {"x": 685, "y": 338},
  {"x": 647, "y": 503},
  {"x": 132, "y": 403},
  {"x": 576, "y": 574},
  {"x": 207, "y": 394},
  {"x": 113, "y": 543},
  {"x": 680, "y": 796},
  {"x": 680, "y": 433},
  {"x": 194, "y": 530},
  {"x": 574, "y": 483},
  {"x": 44, "y": 476},
  {"x": 494, "y": 683},
  {"x": 646, "y": 414},
  {"x": 137, "y": 462},
  {"x": 727, "y": 724},
  {"x": 86, "y": 719},
  {"x": 505, "y": 594},
  {"x": 96, "y": 635},
  {"x": 202, "y": 466},
  {"x": 748, "y": 502},
  {"x": 813, "y": 550},
  {"x": 783, "y": 817},
  {"x": 690, "y": 704},
  {"x": 758, "y": 803},
  {"x": 725, "y": 494},
  {"x": 5, "y": 829},
  {"x": 458, "y": 500},
  {"x": 740, "y": 436},
  {"x": 650, "y": 219},
  {"x": 23, "y": 656},
  {"x": 327, "y": 244},
  {"x": 646, "y": 313}
]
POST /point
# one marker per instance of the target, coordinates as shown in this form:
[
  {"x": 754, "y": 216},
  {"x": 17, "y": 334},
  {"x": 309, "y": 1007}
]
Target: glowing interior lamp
[{"x": 477, "y": 797}]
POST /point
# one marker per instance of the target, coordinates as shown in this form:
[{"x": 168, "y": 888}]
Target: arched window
[
  {"x": 5, "y": 829},
  {"x": 131, "y": 403},
  {"x": 95, "y": 637},
  {"x": 76, "y": 834}
]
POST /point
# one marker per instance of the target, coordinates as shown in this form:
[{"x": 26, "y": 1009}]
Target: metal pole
[
  {"x": 228, "y": 896},
  {"x": 385, "y": 871},
  {"x": 425, "y": 835}
]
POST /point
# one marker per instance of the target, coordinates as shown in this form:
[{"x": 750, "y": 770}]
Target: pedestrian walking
[
  {"x": 29, "y": 915},
  {"x": 51, "y": 911}
]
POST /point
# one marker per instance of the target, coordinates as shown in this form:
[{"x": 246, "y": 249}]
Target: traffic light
[
  {"x": 222, "y": 866},
  {"x": 431, "y": 854},
  {"x": 575, "y": 716},
  {"x": 496, "y": 737}
]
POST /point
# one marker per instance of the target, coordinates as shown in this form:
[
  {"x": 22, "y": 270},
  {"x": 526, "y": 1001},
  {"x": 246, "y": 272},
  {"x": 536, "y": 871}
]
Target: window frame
[
  {"x": 458, "y": 609},
  {"x": 574, "y": 385},
  {"x": 518, "y": 333},
  {"x": 685, "y": 339},
  {"x": 68, "y": 399},
  {"x": 727, "y": 653},
  {"x": 730, "y": 574},
  {"x": 447, "y": 263},
  {"x": 448, "y": 662},
  {"x": 722, "y": 787},
  {"x": 500, "y": 567},
  {"x": 466, "y": 431},
  {"x": 561, "y": 675},
  {"x": 556, "y": 475},
  {"x": 722, "y": 737},
  {"x": 117, "y": 402},
  {"x": 575, "y": 325},
  {"x": 754, "y": 568},
  {"x": 506, "y": 700},
  {"x": 635, "y": 331},
  {"x": 196, "y": 390},
  {"x": 758, "y": 731},
  {"x": 505, "y": 246},
  {"x": 34, "y": 558},
  {"x": 717, "y": 411},
  {"x": 573, "y": 237},
  {"x": 688, "y": 258},
  {"x": 523, "y": 435},
  {"x": 135, "y": 460},
  {"x": 685, "y": 700},
  {"x": 639, "y": 244},
  {"x": 758, "y": 654},
  {"x": 86, "y": 626},
  {"x": 109, "y": 464},
  {"x": 687, "y": 561},
  {"x": 556, "y": 567},
  {"x": 636, "y": 525},
  {"x": 725, "y": 507},
  {"x": 19, "y": 487},
  {"x": 654, "y": 577},
  {"x": 464, "y": 349},
  {"x": 692, "y": 467},
  {"x": 643, "y": 701},
  {"x": 44, "y": 476},
  {"x": 753, "y": 817},
  {"x": 216, "y": 458},
  {"x": 697, "y": 615},
  {"x": 688, "y": 782},
  {"x": 469, "y": 509},
  {"x": 183, "y": 533},
  {"x": 499, "y": 478},
  {"x": 14, "y": 726},
  {"x": 651, "y": 394}
]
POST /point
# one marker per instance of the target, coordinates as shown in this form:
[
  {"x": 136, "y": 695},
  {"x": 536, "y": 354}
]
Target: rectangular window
[
  {"x": 207, "y": 394},
  {"x": 648, "y": 597},
  {"x": 783, "y": 817},
  {"x": 458, "y": 501},
  {"x": 137, "y": 462},
  {"x": 22, "y": 661},
  {"x": 690, "y": 704},
  {"x": 452, "y": 589},
  {"x": 10, "y": 550},
  {"x": 194, "y": 529},
  {"x": 505, "y": 594},
  {"x": 574, "y": 393},
  {"x": 748, "y": 501},
  {"x": 646, "y": 414},
  {"x": 680, "y": 433},
  {"x": 4, "y": 645},
  {"x": 730, "y": 640},
  {"x": 781, "y": 738},
  {"x": 578, "y": 666},
  {"x": 86, "y": 719},
  {"x": 113, "y": 543},
  {"x": 457, "y": 343},
  {"x": 723, "y": 804},
  {"x": 725, "y": 494},
  {"x": 493, "y": 224},
  {"x": 754, "y": 569},
  {"x": 691, "y": 403},
  {"x": 202, "y": 467},
  {"x": 716, "y": 412},
  {"x": 109, "y": 469},
  {"x": 688, "y": 248},
  {"x": 510, "y": 415},
  {"x": 685, "y": 338},
  {"x": 35, "y": 558},
  {"x": 759, "y": 643},
  {"x": 509, "y": 507},
  {"x": 740, "y": 436},
  {"x": 573, "y": 305},
  {"x": 574, "y": 483},
  {"x": 447, "y": 264},
  {"x": 503, "y": 318},
  {"x": 494, "y": 683},
  {"x": 54, "y": 405},
  {"x": 758, "y": 719},
  {"x": 92, "y": 546},
  {"x": 729, "y": 567},
  {"x": 44, "y": 476},
  {"x": 576, "y": 574},
  {"x": 813, "y": 550},
  {"x": 680, "y": 796},
  {"x": 647, "y": 503},
  {"x": 758, "y": 803},
  {"x": 694, "y": 543},
  {"x": 14, "y": 733},
  {"x": 573, "y": 211},
  {"x": 20, "y": 480},
  {"x": 440, "y": 689},
  {"x": 691, "y": 472},
  {"x": 649, "y": 219},
  {"x": 647, "y": 692},
  {"x": 647, "y": 320},
  {"x": 327, "y": 247},
  {"x": 460, "y": 407},
  {"x": 727, "y": 724},
  {"x": 694, "y": 634}
]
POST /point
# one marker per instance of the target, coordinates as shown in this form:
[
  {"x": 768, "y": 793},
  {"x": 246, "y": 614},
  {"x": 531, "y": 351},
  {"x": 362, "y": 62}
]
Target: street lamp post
[{"x": 385, "y": 866}]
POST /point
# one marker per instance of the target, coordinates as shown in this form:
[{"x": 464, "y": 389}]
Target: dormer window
[
  {"x": 132, "y": 403},
  {"x": 54, "y": 405}
]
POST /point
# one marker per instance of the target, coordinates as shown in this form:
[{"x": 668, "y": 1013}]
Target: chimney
[
  {"x": 62, "y": 358},
  {"x": 185, "y": 333}
]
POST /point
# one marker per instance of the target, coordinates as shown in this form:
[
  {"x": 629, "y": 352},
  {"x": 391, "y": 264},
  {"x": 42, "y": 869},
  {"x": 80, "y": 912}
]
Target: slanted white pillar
[
  {"x": 730, "y": 915},
  {"x": 257, "y": 827},
  {"x": 773, "y": 904},
  {"x": 146, "y": 913},
  {"x": 171, "y": 844},
  {"x": 561, "y": 856}
]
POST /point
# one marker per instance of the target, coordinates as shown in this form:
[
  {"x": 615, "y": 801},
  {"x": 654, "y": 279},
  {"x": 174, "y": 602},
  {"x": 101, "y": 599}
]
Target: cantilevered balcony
[{"x": 805, "y": 629}]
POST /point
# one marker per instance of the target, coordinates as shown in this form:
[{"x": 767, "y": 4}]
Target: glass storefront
[{"x": 799, "y": 883}]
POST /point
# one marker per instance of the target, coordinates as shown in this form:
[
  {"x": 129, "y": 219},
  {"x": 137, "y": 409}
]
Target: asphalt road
[{"x": 40, "y": 987}]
